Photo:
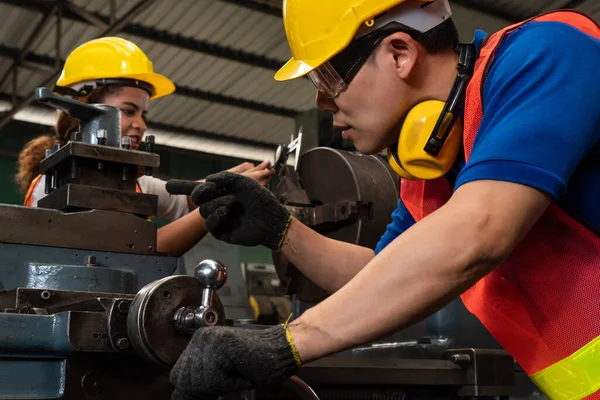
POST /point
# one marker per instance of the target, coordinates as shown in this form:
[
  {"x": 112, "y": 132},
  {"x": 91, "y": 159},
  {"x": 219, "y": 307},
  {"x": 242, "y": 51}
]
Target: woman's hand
[{"x": 262, "y": 173}]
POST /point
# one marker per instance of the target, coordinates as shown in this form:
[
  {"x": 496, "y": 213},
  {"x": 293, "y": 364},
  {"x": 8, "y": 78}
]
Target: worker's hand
[
  {"x": 220, "y": 360},
  {"x": 262, "y": 173},
  {"x": 241, "y": 168},
  {"x": 237, "y": 209}
]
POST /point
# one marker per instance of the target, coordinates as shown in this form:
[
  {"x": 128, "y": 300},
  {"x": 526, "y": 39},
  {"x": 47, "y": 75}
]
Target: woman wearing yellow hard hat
[{"x": 116, "y": 72}]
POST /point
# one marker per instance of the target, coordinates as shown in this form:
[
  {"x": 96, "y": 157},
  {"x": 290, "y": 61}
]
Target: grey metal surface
[
  {"x": 97, "y": 229},
  {"x": 90, "y": 377},
  {"x": 93, "y": 279},
  {"x": 77, "y": 197},
  {"x": 16, "y": 259},
  {"x": 491, "y": 370},
  {"x": 26, "y": 335},
  {"x": 45, "y": 378}
]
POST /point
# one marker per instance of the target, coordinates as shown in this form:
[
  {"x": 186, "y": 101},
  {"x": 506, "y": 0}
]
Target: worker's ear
[{"x": 404, "y": 52}]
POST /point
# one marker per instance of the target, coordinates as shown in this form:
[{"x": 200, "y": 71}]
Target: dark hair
[
  {"x": 443, "y": 37},
  {"x": 34, "y": 151}
]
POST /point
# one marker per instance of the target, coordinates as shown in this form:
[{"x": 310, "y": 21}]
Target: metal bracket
[
  {"x": 283, "y": 151},
  {"x": 336, "y": 212}
]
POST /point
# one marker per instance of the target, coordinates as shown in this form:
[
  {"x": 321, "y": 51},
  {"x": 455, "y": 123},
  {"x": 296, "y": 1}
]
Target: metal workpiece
[
  {"x": 164, "y": 314},
  {"x": 93, "y": 118},
  {"x": 343, "y": 195},
  {"x": 70, "y": 198},
  {"x": 96, "y": 230}
]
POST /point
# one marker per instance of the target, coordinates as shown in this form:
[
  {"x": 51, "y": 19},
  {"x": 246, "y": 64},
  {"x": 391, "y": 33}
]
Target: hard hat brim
[
  {"x": 293, "y": 69},
  {"x": 162, "y": 85}
]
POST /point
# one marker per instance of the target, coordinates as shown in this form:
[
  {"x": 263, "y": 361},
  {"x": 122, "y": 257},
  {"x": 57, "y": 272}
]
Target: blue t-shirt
[{"x": 541, "y": 122}]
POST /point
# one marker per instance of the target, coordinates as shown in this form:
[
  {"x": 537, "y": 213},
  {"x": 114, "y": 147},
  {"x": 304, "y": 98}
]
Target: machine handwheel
[{"x": 150, "y": 322}]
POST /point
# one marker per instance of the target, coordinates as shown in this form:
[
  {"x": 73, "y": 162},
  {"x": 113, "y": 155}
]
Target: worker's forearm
[
  {"x": 403, "y": 284},
  {"x": 425, "y": 268},
  {"x": 181, "y": 235},
  {"x": 329, "y": 263}
]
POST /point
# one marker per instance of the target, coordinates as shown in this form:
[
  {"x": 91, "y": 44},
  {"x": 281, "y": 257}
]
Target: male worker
[{"x": 503, "y": 214}]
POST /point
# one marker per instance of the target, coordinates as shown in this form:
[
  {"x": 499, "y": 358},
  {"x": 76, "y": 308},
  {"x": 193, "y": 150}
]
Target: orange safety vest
[
  {"x": 29, "y": 196},
  {"x": 543, "y": 303}
]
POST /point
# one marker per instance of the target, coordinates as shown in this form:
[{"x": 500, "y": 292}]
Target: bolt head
[
  {"x": 123, "y": 343},
  {"x": 123, "y": 307},
  {"x": 211, "y": 274}
]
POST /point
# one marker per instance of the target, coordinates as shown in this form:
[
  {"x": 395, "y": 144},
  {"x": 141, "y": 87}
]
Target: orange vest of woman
[
  {"x": 29, "y": 196},
  {"x": 543, "y": 303}
]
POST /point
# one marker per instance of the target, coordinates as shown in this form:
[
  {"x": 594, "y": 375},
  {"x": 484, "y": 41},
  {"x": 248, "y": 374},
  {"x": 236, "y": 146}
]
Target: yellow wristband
[
  {"x": 288, "y": 336},
  {"x": 284, "y": 235}
]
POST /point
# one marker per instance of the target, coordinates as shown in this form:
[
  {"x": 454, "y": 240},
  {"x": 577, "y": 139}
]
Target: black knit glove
[
  {"x": 221, "y": 360},
  {"x": 237, "y": 209}
]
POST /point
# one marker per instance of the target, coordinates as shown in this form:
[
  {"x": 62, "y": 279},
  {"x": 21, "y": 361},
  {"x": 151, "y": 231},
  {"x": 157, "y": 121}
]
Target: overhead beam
[
  {"x": 573, "y": 4},
  {"x": 86, "y": 15},
  {"x": 269, "y": 8},
  {"x": 160, "y": 36},
  {"x": 18, "y": 58},
  {"x": 260, "y": 6},
  {"x": 112, "y": 28},
  {"x": 47, "y": 61},
  {"x": 169, "y": 128}
]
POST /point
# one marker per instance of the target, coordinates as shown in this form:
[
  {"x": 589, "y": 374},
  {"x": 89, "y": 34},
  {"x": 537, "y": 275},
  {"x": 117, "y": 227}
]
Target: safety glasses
[{"x": 332, "y": 77}]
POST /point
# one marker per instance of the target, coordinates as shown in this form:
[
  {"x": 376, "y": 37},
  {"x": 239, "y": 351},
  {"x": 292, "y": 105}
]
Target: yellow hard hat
[
  {"x": 318, "y": 30},
  {"x": 113, "y": 58}
]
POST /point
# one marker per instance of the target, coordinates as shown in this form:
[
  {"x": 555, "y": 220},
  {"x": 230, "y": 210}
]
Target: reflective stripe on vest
[
  {"x": 29, "y": 196},
  {"x": 542, "y": 304}
]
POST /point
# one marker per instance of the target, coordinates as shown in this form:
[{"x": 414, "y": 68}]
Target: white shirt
[{"x": 169, "y": 206}]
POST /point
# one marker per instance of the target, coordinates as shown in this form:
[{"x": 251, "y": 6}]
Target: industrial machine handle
[
  {"x": 98, "y": 123},
  {"x": 211, "y": 275},
  {"x": 77, "y": 109}
]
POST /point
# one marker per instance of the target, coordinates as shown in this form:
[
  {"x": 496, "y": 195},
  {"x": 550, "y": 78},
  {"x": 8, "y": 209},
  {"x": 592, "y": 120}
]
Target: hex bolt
[
  {"x": 45, "y": 295},
  {"x": 90, "y": 260},
  {"x": 123, "y": 343},
  {"x": 150, "y": 140},
  {"x": 123, "y": 307},
  {"x": 126, "y": 142},
  {"x": 460, "y": 359},
  {"x": 101, "y": 135}
]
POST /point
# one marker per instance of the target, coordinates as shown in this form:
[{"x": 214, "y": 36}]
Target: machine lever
[
  {"x": 211, "y": 275},
  {"x": 93, "y": 118},
  {"x": 77, "y": 109}
]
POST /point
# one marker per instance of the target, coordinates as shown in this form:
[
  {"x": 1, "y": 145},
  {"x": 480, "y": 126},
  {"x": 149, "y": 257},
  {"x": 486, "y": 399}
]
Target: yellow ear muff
[{"x": 411, "y": 161}]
